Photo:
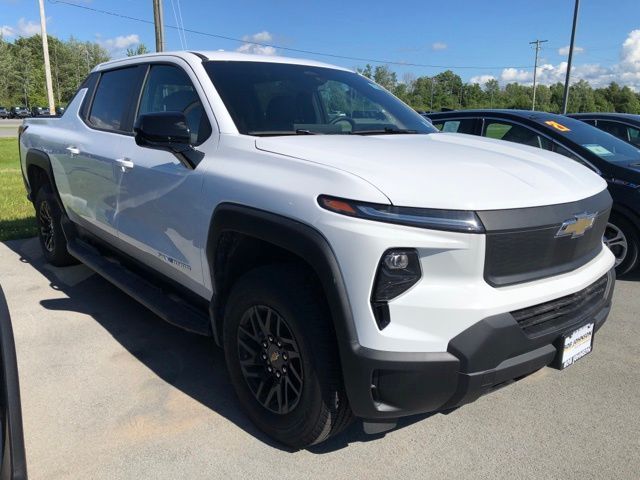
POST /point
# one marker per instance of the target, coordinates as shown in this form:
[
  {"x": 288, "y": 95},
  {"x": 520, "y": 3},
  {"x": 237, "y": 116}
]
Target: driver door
[{"x": 161, "y": 220}]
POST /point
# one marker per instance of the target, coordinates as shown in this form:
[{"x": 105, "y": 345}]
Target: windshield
[
  {"x": 266, "y": 98},
  {"x": 598, "y": 142}
]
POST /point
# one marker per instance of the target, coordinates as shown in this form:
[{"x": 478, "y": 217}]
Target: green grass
[{"x": 17, "y": 216}]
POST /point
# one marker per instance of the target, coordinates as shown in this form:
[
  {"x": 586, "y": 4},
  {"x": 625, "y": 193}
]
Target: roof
[
  {"x": 221, "y": 55},
  {"x": 532, "y": 114},
  {"x": 630, "y": 116}
]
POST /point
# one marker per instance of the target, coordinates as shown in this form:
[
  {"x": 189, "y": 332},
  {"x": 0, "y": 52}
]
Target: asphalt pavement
[
  {"x": 110, "y": 391},
  {"x": 9, "y": 128}
]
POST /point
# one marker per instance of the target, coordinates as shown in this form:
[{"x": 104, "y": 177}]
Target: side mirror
[
  {"x": 163, "y": 130},
  {"x": 167, "y": 131}
]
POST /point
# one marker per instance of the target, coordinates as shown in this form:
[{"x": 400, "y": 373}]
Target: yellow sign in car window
[{"x": 557, "y": 126}]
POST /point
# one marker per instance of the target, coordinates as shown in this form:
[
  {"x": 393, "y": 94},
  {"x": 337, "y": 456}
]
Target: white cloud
[
  {"x": 625, "y": 72},
  {"x": 481, "y": 79},
  {"x": 439, "y": 46},
  {"x": 24, "y": 28},
  {"x": 630, "y": 54},
  {"x": 120, "y": 42},
  {"x": 253, "y": 44},
  {"x": 7, "y": 31},
  {"x": 564, "y": 51},
  {"x": 509, "y": 75},
  {"x": 117, "y": 46}
]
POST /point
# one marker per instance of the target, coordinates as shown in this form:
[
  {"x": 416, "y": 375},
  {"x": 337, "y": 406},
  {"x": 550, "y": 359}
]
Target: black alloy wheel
[{"x": 270, "y": 359}]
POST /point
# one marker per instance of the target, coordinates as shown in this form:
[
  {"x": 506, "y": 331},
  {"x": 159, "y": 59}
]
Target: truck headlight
[
  {"x": 398, "y": 270},
  {"x": 435, "y": 219}
]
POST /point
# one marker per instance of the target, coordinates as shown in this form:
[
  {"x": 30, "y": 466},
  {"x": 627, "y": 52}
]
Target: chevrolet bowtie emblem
[{"x": 577, "y": 226}]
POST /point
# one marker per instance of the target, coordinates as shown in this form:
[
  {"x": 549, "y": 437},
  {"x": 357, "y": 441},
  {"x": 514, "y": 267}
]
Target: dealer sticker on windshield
[
  {"x": 576, "y": 345},
  {"x": 597, "y": 149}
]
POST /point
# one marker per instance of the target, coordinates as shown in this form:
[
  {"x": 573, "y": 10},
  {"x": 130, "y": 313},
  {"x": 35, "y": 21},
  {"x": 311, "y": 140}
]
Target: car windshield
[
  {"x": 266, "y": 98},
  {"x": 598, "y": 142}
]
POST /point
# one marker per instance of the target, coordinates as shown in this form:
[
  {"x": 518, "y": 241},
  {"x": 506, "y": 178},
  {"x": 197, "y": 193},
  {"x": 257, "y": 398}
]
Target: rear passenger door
[
  {"x": 161, "y": 220},
  {"x": 90, "y": 154}
]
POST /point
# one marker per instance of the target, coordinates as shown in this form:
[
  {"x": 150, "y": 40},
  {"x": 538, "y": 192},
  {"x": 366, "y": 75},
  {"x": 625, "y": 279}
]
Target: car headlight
[{"x": 435, "y": 219}]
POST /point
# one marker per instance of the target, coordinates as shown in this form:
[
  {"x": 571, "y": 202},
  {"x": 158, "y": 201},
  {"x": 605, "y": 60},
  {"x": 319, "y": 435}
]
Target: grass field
[{"x": 17, "y": 217}]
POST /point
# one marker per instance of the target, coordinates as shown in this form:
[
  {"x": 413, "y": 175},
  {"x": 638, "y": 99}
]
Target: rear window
[
  {"x": 112, "y": 101},
  {"x": 596, "y": 141}
]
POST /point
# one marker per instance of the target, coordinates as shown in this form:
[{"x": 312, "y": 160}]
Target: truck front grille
[
  {"x": 523, "y": 245},
  {"x": 565, "y": 311}
]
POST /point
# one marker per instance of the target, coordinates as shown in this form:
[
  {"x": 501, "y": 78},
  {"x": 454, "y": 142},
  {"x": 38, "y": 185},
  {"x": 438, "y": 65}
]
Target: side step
[{"x": 168, "y": 307}]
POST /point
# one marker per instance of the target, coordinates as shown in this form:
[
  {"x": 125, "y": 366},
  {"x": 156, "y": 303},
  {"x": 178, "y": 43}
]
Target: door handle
[
  {"x": 73, "y": 150},
  {"x": 125, "y": 164}
]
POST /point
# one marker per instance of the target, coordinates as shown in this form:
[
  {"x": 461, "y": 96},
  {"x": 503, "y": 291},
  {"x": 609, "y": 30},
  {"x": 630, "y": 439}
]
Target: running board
[{"x": 167, "y": 306}]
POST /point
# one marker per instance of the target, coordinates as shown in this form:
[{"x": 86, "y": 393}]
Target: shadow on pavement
[{"x": 187, "y": 361}]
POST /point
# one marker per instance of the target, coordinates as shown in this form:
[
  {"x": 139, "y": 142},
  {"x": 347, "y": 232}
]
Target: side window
[
  {"x": 511, "y": 132},
  {"x": 112, "y": 100},
  {"x": 456, "y": 126},
  {"x": 614, "y": 128},
  {"x": 169, "y": 89},
  {"x": 634, "y": 135}
]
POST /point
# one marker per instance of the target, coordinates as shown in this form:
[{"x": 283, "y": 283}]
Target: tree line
[
  {"x": 447, "y": 90},
  {"x": 22, "y": 78},
  {"x": 22, "y": 82}
]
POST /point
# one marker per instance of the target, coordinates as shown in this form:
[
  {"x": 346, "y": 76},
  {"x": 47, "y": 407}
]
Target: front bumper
[{"x": 491, "y": 353}]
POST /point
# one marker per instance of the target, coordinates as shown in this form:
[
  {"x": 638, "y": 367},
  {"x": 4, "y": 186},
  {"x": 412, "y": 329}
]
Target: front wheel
[
  {"x": 622, "y": 239},
  {"x": 282, "y": 357}
]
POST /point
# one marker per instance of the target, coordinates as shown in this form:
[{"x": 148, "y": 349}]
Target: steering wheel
[{"x": 350, "y": 121}]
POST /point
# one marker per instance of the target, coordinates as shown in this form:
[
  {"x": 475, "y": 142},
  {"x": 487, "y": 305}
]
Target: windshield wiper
[
  {"x": 276, "y": 133},
  {"x": 385, "y": 131}
]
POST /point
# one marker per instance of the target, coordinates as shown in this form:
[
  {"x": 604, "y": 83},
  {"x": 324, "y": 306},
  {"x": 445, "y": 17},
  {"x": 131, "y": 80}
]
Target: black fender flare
[
  {"x": 38, "y": 158},
  {"x": 296, "y": 237}
]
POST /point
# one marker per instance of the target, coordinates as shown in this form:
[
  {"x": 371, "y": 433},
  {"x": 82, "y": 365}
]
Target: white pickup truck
[{"x": 351, "y": 260}]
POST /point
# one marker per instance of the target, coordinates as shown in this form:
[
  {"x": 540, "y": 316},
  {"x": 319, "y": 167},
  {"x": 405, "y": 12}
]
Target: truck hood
[{"x": 442, "y": 170}]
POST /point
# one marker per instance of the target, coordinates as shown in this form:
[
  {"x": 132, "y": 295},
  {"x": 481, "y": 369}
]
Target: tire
[
  {"x": 52, "y": 239},
  {"x": 621, "y": 236},
  {"x": 305, "y": 332}
]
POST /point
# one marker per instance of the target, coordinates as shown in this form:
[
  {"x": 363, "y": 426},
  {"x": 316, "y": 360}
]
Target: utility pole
[
  {"x": 47, "y": 65},
  {"x": 535, "y": 70},
  {"x": 431, "y": 108},
  {"x": 158, "y": 20},
  {"x": 565, "y": 97}
]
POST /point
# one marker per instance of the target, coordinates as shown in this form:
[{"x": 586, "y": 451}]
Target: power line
[
  {"x": 175, "y": 15},
  {"x": 535, "y": 69},
  {"x": 289, "y": 49},
  {"x": 184, "y": 37}
]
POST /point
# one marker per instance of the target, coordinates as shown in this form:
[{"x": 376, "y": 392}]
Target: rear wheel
[
  {"x": 282, "y": 358},
  {"x": 622, "y": 238},
  {"x": 52, "y": 239}
]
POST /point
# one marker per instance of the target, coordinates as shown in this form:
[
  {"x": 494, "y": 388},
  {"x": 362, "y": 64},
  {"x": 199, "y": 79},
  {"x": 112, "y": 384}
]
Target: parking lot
[
  {"x": 111, "y": 391},
  {"x": 9, "y": 128}
]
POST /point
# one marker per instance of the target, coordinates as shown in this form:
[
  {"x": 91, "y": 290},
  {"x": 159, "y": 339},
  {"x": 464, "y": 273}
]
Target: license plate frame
[{"x": 574, "y": 345}]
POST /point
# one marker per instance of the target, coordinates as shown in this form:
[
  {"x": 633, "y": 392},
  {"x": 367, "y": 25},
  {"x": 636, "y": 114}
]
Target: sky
[{"x": 478, "y": 40}]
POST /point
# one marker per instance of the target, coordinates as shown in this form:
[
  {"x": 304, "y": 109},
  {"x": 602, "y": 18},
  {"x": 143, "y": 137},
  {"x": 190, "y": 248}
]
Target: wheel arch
[
  {"x": 628, "y": 213},
  {"x": 285, "y": 235},
  {"x": 38, "y": 171}
]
